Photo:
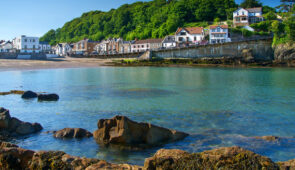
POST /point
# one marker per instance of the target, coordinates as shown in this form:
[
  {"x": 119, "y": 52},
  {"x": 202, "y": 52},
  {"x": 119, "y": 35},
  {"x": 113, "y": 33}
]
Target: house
[
  {"x": 85, "y": 46},
  {"x": 148, "y": 44},
  {"x": 6, "y": 46},
  {"x": 63, "y": 49},
  {"x": 246, "y": 17},
  {"x": 26, "y": 44},
  {"x": 169, "y": 41},
  {"x": 189, "y": 35},
  {"x": 44, "y": 47},
  {"x": 102, "y": 48},
  {"x": 218, "y": 34},
  {"x": 125, "y": 47}
]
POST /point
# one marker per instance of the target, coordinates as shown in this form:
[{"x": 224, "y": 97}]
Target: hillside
[{"x": 141, "y": 20}]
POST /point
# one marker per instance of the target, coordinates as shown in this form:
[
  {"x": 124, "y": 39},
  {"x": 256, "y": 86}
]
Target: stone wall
[
  {"x": 261, "y": 50},
  {"x": 129, "y": 55},
  {"x": 33, "y": 56}
]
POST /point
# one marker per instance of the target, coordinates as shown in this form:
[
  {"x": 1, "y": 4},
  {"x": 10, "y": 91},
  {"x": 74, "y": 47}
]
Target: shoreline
[{"x": 72, "y": 63}]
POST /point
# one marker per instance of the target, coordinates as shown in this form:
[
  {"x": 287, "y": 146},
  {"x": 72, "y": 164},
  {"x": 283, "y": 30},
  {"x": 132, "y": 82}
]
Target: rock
[
  {"x": 247, "y": 55},
  {"x": 288, "y": 165},
  {"x": 48, "y": 97},
  {"x": 122, "y": 131},
  {"x": 12, "y": 92},
  {"x": 268, "y": 138},
  {"x": 72, "y": 133},
  {"x": 29, "y": 95},
  {"x": 221, "y": 158},
  {"x": 10, "y": 126},
  {"x": 13, "y": 157},
  {"x": 284, "y": 52}
]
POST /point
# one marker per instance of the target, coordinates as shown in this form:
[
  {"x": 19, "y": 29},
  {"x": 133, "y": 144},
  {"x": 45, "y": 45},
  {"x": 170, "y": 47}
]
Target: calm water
[{"x": 218, "y": 107}]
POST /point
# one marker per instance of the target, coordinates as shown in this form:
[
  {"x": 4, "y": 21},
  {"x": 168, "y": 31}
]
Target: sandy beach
[{"x": 13, "y": 64}]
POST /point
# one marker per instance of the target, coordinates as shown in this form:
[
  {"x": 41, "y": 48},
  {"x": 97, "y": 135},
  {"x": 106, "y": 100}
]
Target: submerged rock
[
  {"x": 122, "y": 131},
  {"x": 10, "y": 126},
  {"x": 221, "y": 158},
  {"x": 268, "y": 138},
  {"x": 72, "y": 133},
  {"x": 48, "y": 97},
  {"x": 29, "y": 95},
  {"x": 12, "y": 92}
]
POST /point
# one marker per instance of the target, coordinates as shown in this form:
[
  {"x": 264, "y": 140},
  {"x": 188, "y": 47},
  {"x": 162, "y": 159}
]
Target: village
[{"x": 183, "y": 37}]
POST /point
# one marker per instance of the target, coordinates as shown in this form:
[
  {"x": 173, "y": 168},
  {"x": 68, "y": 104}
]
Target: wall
[
  {"x": 129, "y": 55},
  {"x": 261, "y": 49}
]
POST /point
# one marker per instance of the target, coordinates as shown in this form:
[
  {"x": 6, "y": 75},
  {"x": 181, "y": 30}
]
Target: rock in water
[
  {"x": 29, "y": 95},
  {"x": 221, "y": 158},
  {"x": 72, "y": 133},
  {"x": 48, "y": 97},
  {"x": 124, "y": 132},
  {"x": 12, "y": 126}
]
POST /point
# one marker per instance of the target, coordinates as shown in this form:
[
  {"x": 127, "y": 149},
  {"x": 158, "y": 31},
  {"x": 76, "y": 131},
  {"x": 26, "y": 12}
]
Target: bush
[{"x": 246, "y": 33}]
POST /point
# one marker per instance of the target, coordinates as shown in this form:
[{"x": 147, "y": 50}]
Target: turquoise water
[{"x": 217, "y": 106}]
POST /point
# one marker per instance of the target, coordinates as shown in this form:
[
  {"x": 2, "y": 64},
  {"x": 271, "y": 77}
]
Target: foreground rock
[
  {"x": 122, "y": 131},
  {"x": 72, "y": 133},
  {"x": 10, "y": 126},
  {"x": 29, "y": 95},
  {"x": 222, "y": 158},
  {"x": 13, "y": 157},
  {"x": 48, "y": 97}
]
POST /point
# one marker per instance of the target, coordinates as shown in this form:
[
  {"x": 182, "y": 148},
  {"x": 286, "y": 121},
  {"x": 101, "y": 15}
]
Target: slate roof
[
  {"x": 169, "y": 39},
  {"x": 151, "y": 41},
  {"x": 254, "y": 10}
]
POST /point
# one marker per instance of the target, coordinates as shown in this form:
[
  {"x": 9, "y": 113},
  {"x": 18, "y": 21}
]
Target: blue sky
[{"x": 36, "y": 17}]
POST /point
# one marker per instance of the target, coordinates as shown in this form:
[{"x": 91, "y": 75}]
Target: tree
[
  {"x": 286, "y": 6},
  {"x": 270, "y": 16},
  {"x": 251, "y": 4}
]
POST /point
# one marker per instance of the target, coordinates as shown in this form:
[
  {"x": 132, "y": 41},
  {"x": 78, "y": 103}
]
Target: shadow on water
[{"x": 141, "y": 93}]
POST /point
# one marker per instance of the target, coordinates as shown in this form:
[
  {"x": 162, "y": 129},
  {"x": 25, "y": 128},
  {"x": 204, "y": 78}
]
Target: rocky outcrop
[
  {"x": 48, "y": 97},
  {"x": 13, "y": 157},
  {"x": 29, "y": 95},
  {"x": 72, "y": 133},
  {"x": 284, "y": 52},
  {"x": 124, "y": 132},
  {"x": 10, "y": 126},
  {"x": 247, "y": 55},
  {"x": 222, "y": 158}
]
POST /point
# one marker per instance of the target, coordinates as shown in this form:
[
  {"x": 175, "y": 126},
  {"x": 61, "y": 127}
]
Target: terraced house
[
  {"x": 148, "y": 44},
  {"x": 246, "y": 17},
  {"x": 85, "y": 46},
  {"x": 26, "y": 44}
]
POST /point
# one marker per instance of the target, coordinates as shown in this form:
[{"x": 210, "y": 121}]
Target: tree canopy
[
  {"x": 141, "y": 20},
  {"x": 251, "y": 4}
]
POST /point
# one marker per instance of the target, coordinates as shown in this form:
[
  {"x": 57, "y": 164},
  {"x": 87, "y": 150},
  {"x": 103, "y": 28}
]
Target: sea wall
[
  {"x": 33, "y": 56},
  {"x": 127, "y": 55},
  {"x": 261, "y": 50}
]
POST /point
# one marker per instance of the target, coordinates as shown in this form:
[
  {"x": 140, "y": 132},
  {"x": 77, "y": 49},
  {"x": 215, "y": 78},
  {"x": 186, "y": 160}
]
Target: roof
[
  {"x": 191, "y": 30},
  {"x": 221, "y": 26},
  {"x": 89, "y": 41},
  {"x": 254, "y": 10},
  {"x": 169, "y": 39},
  {"x": 149, "y": 41},
  {"x": 43, "y": 42}
]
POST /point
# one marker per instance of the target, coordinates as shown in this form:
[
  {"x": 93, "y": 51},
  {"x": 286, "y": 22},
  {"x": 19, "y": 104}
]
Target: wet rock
[
  {"x": 72, "y": 133},
  {"x": 10, "y": 126},
  {"x": 247, "y": 55},
  {"x": 48, "y": 97},
  {"x": 221, "y": 158},
  {"x": 12, "y": 92},
  {"x": 122, "y": 131},
  {"x": 268, "y": 138},
  {"x": 13, "y": 157},
  {"x": 287, "y": 165},
  {"x": 29, "y": 95}
]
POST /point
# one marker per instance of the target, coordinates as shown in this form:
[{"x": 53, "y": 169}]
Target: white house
[
  {"x": 246, "y": 17},
  {"x": 44, "y": 47},
  {"x": 26, "y": 44},
  {"x": 6, "y": 46},
  {"x": 189, "y": 35},
  {"x": 219, "y": 34},
  {"x": 169, "y": 41},
  {"x": 62, "y": 49},
  {"x": 144, "y": 45}
]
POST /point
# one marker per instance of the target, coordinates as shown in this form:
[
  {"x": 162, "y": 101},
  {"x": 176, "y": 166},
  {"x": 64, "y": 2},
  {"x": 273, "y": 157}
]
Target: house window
[
  {"x": 33, "y": 40},
  {"x": 142, "y": 46},
  {"x": 33, "y": 46},
  {"x": 147, "y": 46},
  {"x": 218, "y": 29},
  {"x": 183, "y": 33},
  {"x": 180, "y": 39},
  {"x": 243, "y": 13},
  {"x": 25, "y": 46},
  {"x": 195, "y": 38},
  {"x": 26, "y": 40},
  {"x": 134, "y": 46}
]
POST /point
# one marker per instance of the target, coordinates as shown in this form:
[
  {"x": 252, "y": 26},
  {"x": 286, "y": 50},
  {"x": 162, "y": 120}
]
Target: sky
[{"x": 36, "y": 17}]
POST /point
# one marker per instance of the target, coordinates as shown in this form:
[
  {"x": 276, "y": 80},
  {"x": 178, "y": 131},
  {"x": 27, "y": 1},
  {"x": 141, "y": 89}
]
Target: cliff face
[{"x": 284, "y": 52}]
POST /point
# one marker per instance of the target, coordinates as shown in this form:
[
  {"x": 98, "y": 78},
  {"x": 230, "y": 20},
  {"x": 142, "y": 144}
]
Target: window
[
  {"x": 33, "y": 46},
  {"x": 25, "y": 46},
  {"x": 147, "y": 46},
  {"x": 26, "y": 40},
  {"x": 134, "y": 46},
  {"x": 218, "y": 29},
  {"x": 183, "y": 33},
  {"x": 33, "y": 40},
  {"x": 180, "y": 39},
  {"x": 142, "y": 46},
  {"x": 195, "y": 38}
]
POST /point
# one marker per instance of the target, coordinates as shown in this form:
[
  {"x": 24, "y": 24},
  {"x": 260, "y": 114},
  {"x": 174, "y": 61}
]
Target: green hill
[{"x": 141, "y": 20}]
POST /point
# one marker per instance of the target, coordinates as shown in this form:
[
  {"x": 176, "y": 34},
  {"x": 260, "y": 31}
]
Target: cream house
[
  {"x": 246, "y": 17},
  {"x": 189, "y": 35}
]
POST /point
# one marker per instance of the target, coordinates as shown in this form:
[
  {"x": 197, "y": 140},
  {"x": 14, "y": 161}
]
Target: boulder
[
  {"x": 29, "y": 95},
  {"x": 13, "y": 157},
  {"x": 221, "y": 158},
  {"x": 10, "y": 126},
  {"x": 124, "y": 132},
  {"x": 48, "y": 97},
  {"x": 72, "y": 133}
]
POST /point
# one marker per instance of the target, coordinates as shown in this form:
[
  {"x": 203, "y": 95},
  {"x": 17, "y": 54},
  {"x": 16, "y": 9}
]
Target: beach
[{"x": 67, "y": 62}]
